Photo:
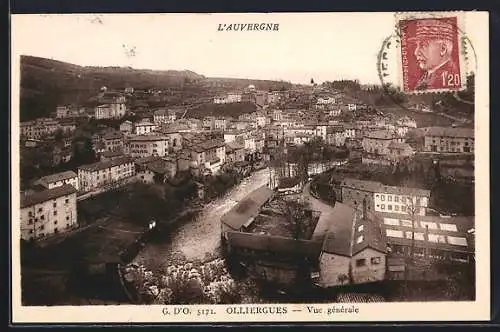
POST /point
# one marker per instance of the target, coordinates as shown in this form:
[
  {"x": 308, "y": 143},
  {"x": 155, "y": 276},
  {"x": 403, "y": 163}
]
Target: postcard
[{"x": 279, "y": 167}]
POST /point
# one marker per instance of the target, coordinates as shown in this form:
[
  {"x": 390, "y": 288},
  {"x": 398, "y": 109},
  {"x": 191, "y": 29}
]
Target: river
[{"x": 199, "y": 238}]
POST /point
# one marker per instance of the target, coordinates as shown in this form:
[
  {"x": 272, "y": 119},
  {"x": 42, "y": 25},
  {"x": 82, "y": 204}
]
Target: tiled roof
[
  {"x": 112, "y": 135},
  {"x": 208, "y": 145},
  {"x": 57, "y": 177},
  {"x": 449, "y": 132},
  {"x": 106, "y": 164},
  {"x": 247, "y": 208},
  {"x": 379, "y": 134},
  {"x": 338, "y": 235},
  {"x": 377, "y": 187},
  {"x": 145, "y": 138},
  {"x": 399, "y": 146},
  {"x": 47, "y": 195},
  {"x": 369, "y": 233},
  {"x": 275, "y": 244}
]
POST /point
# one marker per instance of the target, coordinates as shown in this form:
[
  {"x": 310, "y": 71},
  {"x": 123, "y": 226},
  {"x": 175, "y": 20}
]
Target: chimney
[{"x": 364, "y": 208}]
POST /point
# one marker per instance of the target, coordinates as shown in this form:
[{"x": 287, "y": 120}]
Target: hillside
[{"x": 46, "y": 83}]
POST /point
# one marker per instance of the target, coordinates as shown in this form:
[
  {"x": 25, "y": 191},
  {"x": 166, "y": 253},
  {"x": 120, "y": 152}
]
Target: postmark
[{"x": 431, "y": 57}]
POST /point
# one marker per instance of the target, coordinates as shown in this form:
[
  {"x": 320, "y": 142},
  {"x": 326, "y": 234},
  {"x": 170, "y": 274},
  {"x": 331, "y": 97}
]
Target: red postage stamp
[{"x": 431, "y": 54}]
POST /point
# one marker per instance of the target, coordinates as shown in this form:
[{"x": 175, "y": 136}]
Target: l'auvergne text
[{"x": 248, "y": 27}]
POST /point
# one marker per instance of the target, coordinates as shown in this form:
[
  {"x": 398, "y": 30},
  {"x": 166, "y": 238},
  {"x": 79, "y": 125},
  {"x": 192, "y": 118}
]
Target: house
[
  {"x": 210, "y": 155},
  {"x": 105, "y": 173},
  {"x": 110, "y": 111},
  {"x": 58, "y": 179},
  {"x": 335, "y": 135},
  {"x": 144, "y": 127},
  {"x": 113, "y": 141},
  {"x": 399, "y": 151},
  {"x": 233, "y": 135},
  {"x": 448, "y": 140},
  {"x": 112, "y": 106},
  {"x": 175, "y": 140},
  {"x": 234, "y": 97},
  {"x": 147, "y": 145},
  {"x": 242, "y": 214},
  {"x": 48, "y": 212},
  {"x": 109, "y": 155},
  {"x": 129, "y": 90},
  {"x": 382, "y": 198},
  {"x": 127, "y": 127},
  {"x": 377, "y": 141},
  {"x": 62, "y": 111},
  {"x": 220, "y": 123},
  {"x": 278, "y": 260},
  {"x": 234, "y": 152},
  {"x": 39, "y": 128},
  {"x": 354, "y": 249},
  {"x": 164, "y": 116}
]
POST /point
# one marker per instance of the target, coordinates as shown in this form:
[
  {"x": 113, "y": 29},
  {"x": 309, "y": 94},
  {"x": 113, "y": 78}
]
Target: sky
[{"x": 322, "y": 46}]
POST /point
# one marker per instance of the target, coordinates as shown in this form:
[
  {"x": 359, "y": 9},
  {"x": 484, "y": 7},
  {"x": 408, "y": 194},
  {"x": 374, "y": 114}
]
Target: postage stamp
[{"x": 431, "y": 53}]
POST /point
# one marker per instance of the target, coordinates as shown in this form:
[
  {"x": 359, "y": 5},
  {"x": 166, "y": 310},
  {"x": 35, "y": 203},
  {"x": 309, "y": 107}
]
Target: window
[
  {"x": 360, "y": 228},
  {"x": 360, "y": 262},
  {"x": 67, "y": 217},
  {"x": 30, "y": 221},
  {"x": 382, "y": 206},
  {"x": 359, "y": 239},
  {"x": 30, "y": 214},
  {"x": 42, "y": 218},
  {"x": 389, "y": 198},
  {"x": 382, "y": 197},
  {"x": 40, "y": 209},
  {"x": 55, "y": 213},
  {"x": 396, "y": 199},
  {"x": 403, "y": 208},
  {"x": 403, "y": 199},
  {"x": 31, "y": 231},
  {"x": 42, "y": 227},
  {"x": 375, "y": 260},
  {"x": 389, "y": 207},
  {"x": 66, "y": 201}
]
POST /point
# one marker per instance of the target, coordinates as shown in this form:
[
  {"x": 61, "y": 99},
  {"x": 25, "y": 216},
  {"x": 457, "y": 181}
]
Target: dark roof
[
  {"x": 371, "y": 233},
  {"x": 109, "y": 154},
  {"x": 106, "y": 164},
  {"x": 146, "y": 160},
  {"x": 231, "y": 146},
  {"x": 246, "y": 209},
  {"x": 449, "y": 132},
  {"x": 287, "y": 182},
  {"x": 336, "y": 229},
  {"x": 46, "y": 195},
  {"x": 208, "y": 145},
  {"x": 377, "y": 187},
  {"x": 57, "y": 177},
  {"x": 399, "y": 146},
  {"x": 379, "y": 134},
  {"x": 274, "y": 244},
  {"x": 160, "y": 166},
  {"x": 113, "y": 135}
]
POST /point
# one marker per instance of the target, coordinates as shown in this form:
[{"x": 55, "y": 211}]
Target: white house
[
  {"x": 48, "y": 212},
  {"x": 58, "y": 179}
]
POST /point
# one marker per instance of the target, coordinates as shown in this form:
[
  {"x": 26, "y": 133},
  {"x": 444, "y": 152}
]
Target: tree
[{"x": 297, "y": 215}]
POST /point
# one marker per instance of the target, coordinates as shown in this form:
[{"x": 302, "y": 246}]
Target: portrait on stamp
[{"x": 430, "y": 54}]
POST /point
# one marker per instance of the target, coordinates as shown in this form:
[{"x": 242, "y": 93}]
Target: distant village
[{"x": 364, "y": 236}]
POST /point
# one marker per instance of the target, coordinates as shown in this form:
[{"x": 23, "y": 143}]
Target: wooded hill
[{"x": 45, "y": 83}]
